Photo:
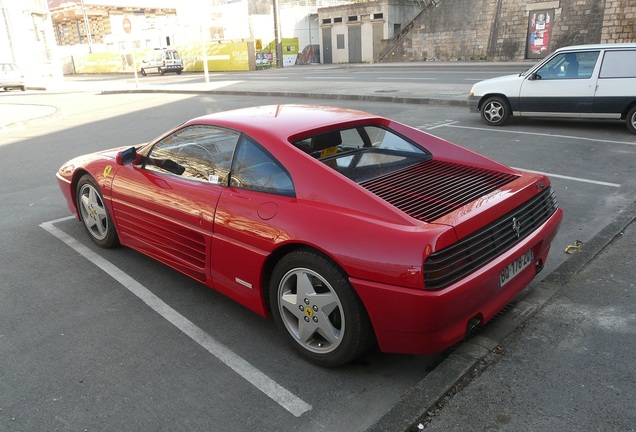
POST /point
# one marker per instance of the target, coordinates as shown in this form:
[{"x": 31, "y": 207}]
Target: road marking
[
  {"x": 406, "y": 78},
  {"x": 450, "y": 123},
  {"x": 543, "y": 134},
  {"x": 258, "y": 379},
  {"x": 329, "y": 77},
  {"x": 578, "y": 179}
]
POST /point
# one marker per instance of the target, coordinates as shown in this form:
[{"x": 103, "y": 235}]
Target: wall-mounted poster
[{"x": 539, "y": 28}]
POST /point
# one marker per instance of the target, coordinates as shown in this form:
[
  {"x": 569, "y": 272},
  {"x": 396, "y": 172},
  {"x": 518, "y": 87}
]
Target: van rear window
[{"x": 619, "y": 64}]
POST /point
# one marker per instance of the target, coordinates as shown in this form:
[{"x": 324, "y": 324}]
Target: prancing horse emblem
[{"x": 516, "y": 226}]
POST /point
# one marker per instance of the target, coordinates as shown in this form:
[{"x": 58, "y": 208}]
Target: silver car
[{"x": 11, "y": 77}]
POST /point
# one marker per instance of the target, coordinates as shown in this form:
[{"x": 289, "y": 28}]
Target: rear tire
[
  {"x": 316, "y": 307},
  {"x": 631, "y": 120},
  {"x": 495, "y": 111}
]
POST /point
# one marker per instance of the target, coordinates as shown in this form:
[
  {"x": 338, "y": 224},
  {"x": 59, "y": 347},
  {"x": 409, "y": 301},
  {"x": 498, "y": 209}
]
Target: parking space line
[
  {"x": 578, "y": 179},
  {"x": 254, "y": 376},
  {"x": 542, "y": 134}
]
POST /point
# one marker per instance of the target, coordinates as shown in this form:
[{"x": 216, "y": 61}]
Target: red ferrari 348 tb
[{"x": 347, "y": 228}]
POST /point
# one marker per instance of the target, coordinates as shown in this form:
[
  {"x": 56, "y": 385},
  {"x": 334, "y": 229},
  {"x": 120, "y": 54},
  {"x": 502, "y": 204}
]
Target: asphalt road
[{"x": 79, "y": 351}]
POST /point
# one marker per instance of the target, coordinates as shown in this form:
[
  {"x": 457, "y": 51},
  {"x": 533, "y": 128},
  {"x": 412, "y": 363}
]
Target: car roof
[
  {"x": 598, "y": 46},
  {"x": 289, "y": 121}
]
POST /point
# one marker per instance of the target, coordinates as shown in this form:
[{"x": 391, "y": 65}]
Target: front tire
[
  {"x": 161, "y": 71},
  {"x": 314, "y": 304},
  {"x": 631, "y": 120},
  {"x": 94, "y": 213},
  {"x": 143, "y": 72},
  {"x": 495, "y": 111}
]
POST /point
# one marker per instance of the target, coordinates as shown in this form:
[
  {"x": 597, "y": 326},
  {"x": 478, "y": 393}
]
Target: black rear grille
[
  {"x": 432, "y": 189},
  {"x": 448, "y": 265}
]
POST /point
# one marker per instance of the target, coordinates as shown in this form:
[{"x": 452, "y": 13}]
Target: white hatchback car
[
  {"x": 586, "y": 81},
  {"x": 11, "y": 77}
]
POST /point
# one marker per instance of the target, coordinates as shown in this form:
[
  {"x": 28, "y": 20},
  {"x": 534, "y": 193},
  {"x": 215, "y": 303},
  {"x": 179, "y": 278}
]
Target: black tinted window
[
  {"x": 199, "y": 152},
  {"x": 255, "y": 169}
]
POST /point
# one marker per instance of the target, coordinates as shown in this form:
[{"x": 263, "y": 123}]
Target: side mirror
[{"x": 126, "y": 157}]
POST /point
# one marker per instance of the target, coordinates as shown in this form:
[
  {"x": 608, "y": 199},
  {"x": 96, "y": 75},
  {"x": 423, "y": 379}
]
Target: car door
[
  {"x": 563, "y": 86},
  {"x": 165, "y": 207},
  {"x": 616, "y": 85},
  {"x": 253, "y": 216}
]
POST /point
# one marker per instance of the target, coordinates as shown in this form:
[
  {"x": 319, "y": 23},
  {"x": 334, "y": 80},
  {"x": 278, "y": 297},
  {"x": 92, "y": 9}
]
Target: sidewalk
[{"x": 568, "y": 368}]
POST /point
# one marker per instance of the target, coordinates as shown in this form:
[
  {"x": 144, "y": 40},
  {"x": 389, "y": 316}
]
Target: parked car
[
  {"x": 11, "y": 77},
  {"x": 163, "y": 60},
  {"x": 586, "y": 81},
  {"x": 348, "y": 228}
]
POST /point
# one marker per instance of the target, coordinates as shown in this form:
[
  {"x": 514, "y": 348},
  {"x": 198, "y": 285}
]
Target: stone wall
[
  {"x": 620, "y": 21},
  {"x": 498, "y": 29}
]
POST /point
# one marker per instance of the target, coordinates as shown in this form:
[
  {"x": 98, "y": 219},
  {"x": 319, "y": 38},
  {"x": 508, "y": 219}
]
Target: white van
[
  {"x": 163, "y": 60},
  {"x": 585, "y": 81}
]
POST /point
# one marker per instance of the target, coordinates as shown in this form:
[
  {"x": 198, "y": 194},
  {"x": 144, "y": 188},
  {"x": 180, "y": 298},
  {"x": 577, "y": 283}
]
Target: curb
[
  {"x": 431, "y": 390},
  {"x": 365, "y": 98},
  {"x": 26, "y": 123}
]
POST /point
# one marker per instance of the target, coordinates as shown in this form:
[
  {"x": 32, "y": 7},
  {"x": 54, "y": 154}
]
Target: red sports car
[{"x": 347, "y": 228}]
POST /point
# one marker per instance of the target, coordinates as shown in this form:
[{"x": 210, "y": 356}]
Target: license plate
[{"x": 515, "y": 267}]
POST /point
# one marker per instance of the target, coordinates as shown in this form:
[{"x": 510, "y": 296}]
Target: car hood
[{"x": 503, "y": 84}]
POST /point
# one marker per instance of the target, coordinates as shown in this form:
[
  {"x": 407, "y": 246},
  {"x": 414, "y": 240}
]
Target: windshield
[{"x": 364, "y": 152}]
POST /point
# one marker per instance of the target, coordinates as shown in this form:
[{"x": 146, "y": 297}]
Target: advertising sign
[{"x": 539, "y": 31}]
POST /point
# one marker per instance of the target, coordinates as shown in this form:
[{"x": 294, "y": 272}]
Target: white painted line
[
  {"x": 578, "y": 179},
  {"x": 258, "y": 379},
  {"x": 405, "y": 78},
  {"x": 426, "y": 127},
  {"x": 329, "y": 77},
  {"x": 545, "y": 135}
]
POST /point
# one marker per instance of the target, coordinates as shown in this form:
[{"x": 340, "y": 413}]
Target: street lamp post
[
  {"x": 87, "y": 26},
  {"x": 279, "y": 45}
]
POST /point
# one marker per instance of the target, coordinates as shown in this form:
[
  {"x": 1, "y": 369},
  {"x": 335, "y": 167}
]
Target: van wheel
[
  {"x": 495, "y": 111},
  {"x": 631, "y": 120},
  {"x": 162, "y": 72},
  {"x": 143, "y": 72},
  {"x": 178, "y": 72}
]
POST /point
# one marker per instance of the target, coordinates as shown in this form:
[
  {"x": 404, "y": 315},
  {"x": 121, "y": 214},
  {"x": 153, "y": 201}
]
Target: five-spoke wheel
[
  {"x": 495, "y": 111},
  {"x": 94, "y": 213},
  {"x": 313, "y": 302}
]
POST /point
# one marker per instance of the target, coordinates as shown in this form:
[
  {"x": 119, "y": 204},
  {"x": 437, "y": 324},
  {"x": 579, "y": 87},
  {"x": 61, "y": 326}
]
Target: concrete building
[
  {"x": 26, "y": 38},
  {"x": 354, "y": 33}
]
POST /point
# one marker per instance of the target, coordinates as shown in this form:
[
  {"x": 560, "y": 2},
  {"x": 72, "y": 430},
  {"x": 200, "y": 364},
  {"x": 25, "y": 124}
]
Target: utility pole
[
  {"x": 279, "y": 45},
  {"x": 7, "y": 29},
  {"x": 87, "y": 25}
]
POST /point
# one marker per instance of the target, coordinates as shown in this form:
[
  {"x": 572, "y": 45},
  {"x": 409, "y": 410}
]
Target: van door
[
  {"x": 616, "y": 85},
  {"x": 563, "y": 86}
]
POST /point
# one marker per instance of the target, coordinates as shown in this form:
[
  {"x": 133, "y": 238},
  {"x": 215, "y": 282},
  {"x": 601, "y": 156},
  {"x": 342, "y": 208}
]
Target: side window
[
  {"x": 578, "y": 65},
  {"x": 619, "y": 64},
  {"x": 198, "y": 152},
  {"x": 255, "y": 169}
]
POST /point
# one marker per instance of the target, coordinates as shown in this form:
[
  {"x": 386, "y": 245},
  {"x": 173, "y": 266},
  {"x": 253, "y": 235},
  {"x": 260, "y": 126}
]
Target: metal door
[
  {"x": 355, "y": 44},
  {"x": 326, "y": 45}
]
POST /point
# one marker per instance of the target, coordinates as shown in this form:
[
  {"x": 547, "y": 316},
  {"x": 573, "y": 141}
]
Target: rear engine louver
[{"x": 432, "y": 189}]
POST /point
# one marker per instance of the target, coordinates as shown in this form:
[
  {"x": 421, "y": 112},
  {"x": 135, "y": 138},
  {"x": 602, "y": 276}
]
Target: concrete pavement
[{"x": 560, "y": 358}]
